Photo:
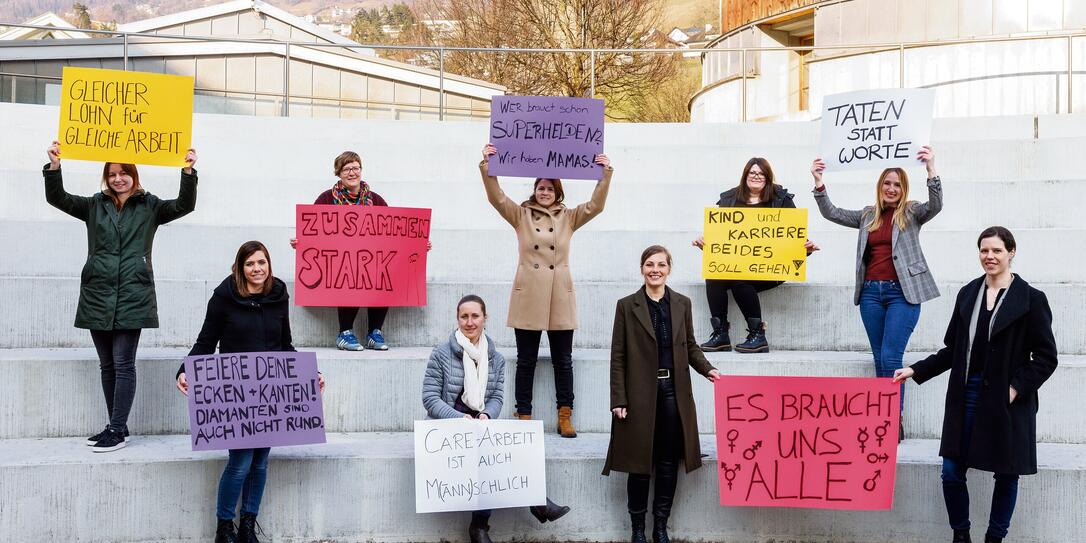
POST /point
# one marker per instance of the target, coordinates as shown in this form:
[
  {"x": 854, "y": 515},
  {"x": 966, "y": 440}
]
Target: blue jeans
[
  {"x": 889, "y": 320},
  {"x": 244, "y": 476},
  {"x": 955, "y": 491}
]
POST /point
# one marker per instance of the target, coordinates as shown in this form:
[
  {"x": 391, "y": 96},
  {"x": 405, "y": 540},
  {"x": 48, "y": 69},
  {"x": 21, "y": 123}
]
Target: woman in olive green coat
[{"x": 116, "y": 287}]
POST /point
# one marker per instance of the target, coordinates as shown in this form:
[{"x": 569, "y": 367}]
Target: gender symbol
[
  {"x": 729, "y": 474},
  {"x": 750, "y": 453},
  {"x": 874, "y": 458},
  {"x": 880, "y": 432},
  {"x": 869, "y": 484},
  {"x": 733, "y": 435},
  {"x": 862, "y": 438}
]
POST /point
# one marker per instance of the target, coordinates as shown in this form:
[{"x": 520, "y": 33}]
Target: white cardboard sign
[
  {"x": 875, "y": 129},
  {"x": 469, "y": 464}
]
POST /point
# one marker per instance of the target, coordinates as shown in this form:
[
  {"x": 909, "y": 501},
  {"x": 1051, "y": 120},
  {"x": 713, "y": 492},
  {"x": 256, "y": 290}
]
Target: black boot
[
  {"x": 247, "y": 529},
  {"x": 992, "y": 539},
  {"x": 637, "y": 520},
  {"x": 962, "y": 536},
  {"x": 224, "y": 532},
  {"x": 659, "y": 529},
  {"x": 756, "y": 342},
  {"x": 901, "y": 429},
  {"x": 479, "y": 531},
  {"x": 719, "y": 341},
  {"x": 551, "y": 511}
]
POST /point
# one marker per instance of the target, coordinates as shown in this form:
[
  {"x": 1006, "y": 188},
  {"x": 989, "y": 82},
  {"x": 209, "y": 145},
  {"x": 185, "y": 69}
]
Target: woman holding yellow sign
[
  {"x": 117, "y": 286},
  {"x": 756, "y": 189}
]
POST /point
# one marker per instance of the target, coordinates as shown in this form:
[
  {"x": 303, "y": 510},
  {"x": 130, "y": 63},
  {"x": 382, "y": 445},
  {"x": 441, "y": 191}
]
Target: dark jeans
[
  {"x": 667, "y": 453},
  {"x": 244, "y": 475},
  {"x": 744, "y": 292},
  {"x": 956, "y": 492},
  {"x": 375, "y": 317},
  {"x": 561, "y": 359},
  {"x": 889, "y": 320},
  {"x": 117, "y": 361}
]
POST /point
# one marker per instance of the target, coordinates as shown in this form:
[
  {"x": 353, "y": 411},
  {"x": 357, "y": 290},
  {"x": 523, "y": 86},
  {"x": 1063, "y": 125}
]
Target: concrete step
[
  {"x": 595, "y": 255},
  {"x": 358, "y": 487},
  {"x": 376, "y": 391},
  {"x": 813, "y": 317}
]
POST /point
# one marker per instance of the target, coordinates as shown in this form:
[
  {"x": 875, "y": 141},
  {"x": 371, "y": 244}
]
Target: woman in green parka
[{"x": 117, "y": 285}]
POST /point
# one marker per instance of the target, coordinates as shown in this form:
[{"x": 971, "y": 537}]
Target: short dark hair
[
  {"x": 345, "y": 158},
  {"x": 471, "y": 298},
  {"x": 655, "y": 249},
  {"x": 238, "y": 269},
  {"x": 998, "y": 232}
]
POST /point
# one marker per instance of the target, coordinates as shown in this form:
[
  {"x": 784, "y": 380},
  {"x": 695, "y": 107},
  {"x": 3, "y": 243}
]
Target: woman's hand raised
[
  {"x": 488, "y": 151},
  {"x": 927, "y": 156},
  {"x": 190, "y": 160},
  {"x": 817, "y": 167},
  {"x": 53, "y": 152},
  {"x": 602, "y": 160}
]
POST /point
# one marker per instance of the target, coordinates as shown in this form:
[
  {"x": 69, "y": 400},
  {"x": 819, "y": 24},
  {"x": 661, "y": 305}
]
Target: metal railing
[{"x": 442, "y": 51}]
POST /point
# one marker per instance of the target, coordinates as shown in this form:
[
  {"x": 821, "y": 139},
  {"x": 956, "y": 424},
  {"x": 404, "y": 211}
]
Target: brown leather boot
[
  {"x": 565, "y": 425},
  {"x": 522, "y": 416}
]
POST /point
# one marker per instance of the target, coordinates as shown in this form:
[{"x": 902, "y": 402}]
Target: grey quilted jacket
[{"x": 444, "y": 381}]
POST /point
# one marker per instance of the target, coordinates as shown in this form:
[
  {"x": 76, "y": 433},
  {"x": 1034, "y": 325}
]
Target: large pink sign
[
  {"x": 360, "y": 256},
  {"x": 813, "y": 442}
]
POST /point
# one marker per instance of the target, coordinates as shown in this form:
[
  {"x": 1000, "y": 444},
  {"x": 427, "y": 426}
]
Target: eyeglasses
[
  {"x": 756, "y": 174},
  {"x": 351, "y": 169}
]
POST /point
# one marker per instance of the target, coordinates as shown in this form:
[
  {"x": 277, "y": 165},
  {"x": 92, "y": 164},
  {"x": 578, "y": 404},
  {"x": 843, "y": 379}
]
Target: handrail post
[
  {"x": 743, "y": 87},
  {"x": 441, "y": 83},
  {"x": 1070, "y": 75},
  {"x": 901, "y": 65},
  {"x": 286, "y": 79},
  {"x": 592, "y": 75},
  {"x": 125, "y": 49}
]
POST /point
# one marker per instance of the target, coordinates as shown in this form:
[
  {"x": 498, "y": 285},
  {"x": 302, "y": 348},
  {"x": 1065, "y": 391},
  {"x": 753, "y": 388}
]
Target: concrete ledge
[
  {"x": 801, "y": 317},
  {"x": 358, "y": 488},
  {"x": 379, "y": 391}
]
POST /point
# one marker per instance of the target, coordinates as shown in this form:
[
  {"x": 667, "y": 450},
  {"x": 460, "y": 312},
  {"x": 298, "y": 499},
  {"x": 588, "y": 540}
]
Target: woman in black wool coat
[{"x": 999, "y": 350}]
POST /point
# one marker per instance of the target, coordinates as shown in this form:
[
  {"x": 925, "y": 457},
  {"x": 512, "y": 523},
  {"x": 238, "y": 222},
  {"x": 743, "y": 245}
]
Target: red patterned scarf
[{"x": 340, "y": 195}]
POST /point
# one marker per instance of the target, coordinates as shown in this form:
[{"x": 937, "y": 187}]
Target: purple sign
[
  {"x": 251, "y": 400},
  {"x": 546, "y": 136}
]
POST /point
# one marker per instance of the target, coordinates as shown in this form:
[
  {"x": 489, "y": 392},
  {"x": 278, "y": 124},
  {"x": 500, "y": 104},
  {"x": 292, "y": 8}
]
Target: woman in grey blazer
[
  {"x": 449, "y": 392},
  {"x": 892, "y": 277}
]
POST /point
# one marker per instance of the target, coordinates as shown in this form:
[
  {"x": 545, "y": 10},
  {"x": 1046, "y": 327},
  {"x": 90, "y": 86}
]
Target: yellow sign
[
  {"x": 129, "y": 117},
  {"x": 754, "y": 243}
]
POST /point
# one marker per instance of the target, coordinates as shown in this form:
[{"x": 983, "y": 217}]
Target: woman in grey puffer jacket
[{"x": 450, "y": 392}]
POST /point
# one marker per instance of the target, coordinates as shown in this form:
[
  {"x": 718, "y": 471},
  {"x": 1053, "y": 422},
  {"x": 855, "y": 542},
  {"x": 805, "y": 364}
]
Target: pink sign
[
  {"x": 812, "y": 442},
  {"x": 360, "y": 256}
]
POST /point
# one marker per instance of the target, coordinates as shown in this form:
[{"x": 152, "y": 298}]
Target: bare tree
[{"x": 621, "y": 78}]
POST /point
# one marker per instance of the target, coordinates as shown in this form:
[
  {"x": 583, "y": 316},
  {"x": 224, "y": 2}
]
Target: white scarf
[{"x": 475, "y": 370}]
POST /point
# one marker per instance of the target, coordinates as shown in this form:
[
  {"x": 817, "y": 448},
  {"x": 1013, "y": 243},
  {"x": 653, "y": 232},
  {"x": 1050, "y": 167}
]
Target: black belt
[{"x": 663, "y": 373}]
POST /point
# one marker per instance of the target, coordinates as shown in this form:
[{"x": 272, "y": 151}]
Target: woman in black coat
[
  {"x": 999, "y": 350},
  {"x": 248, "y": 312},
  {"x": 756, "y": 189}
]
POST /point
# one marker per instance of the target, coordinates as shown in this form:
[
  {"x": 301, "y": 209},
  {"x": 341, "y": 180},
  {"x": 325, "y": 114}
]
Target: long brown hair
[
  {"x": 559, "y": 194},
  {"x": 129, "y": 169},
  {"x": 768, "y": 193},
  {"x": 238, "y": 269},
  {"x": 900, "y": 217}
]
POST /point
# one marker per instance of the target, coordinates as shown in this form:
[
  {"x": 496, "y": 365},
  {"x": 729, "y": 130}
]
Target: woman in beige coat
[{"x": 543, "y": 297}]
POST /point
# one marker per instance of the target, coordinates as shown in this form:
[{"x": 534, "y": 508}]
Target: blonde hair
[{"x": 900, "y": 217}]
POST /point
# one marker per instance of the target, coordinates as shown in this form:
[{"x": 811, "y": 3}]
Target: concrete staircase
[{"x": 1022, "y": 172}]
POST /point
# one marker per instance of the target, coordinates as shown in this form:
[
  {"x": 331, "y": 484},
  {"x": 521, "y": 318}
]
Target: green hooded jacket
[{"x": 117, "y": 285}]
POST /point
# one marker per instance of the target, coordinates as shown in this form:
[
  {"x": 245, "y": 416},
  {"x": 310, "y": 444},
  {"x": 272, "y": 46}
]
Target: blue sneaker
[
  {"x": 346, "y": 341},
  {"x": 376, "y": 341}
]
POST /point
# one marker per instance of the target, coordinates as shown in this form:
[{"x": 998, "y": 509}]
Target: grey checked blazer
[{"x": 912, "y": 270}]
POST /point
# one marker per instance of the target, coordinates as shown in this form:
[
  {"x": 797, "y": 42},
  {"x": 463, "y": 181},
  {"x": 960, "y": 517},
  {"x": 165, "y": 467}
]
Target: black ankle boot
[
  {"x": 961, "y": 536},
  {"x": 992, "y": 539},
  {"x": 479, "y": 532},
  {"x": 552, "y": 511},
  {"x": 719, "y": 341},
  {"x": 659, "y": 529},
  {"x": 756, "y": 342},
  {"x": 901, "y": 429},
  {"x": 247, "y": 529},
  {"x": 637, "y": 520},
  {"x": 224, "y": 532}
]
